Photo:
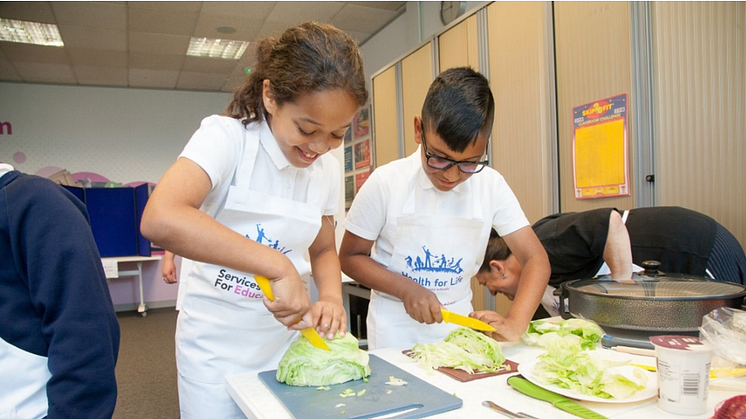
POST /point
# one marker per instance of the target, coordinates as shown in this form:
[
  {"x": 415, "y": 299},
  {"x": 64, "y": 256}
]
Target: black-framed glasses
[{"x": 442, "y": 163}]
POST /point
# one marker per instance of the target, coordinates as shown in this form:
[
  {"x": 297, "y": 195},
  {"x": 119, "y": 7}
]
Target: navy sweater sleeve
[{"x": 67, "y": 314}]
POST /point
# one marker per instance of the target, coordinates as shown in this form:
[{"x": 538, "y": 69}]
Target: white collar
[
  {"x": 269, "y": 142},
  {"x": 5, "y": 168},
  {"x": 424, "y": 182}
]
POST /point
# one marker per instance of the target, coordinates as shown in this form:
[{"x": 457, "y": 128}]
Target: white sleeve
[
  {"x": 508, "y": 216},
  {"x": 367, "y": 215},
  {"x": 216, "y": 147},
  {"x": 332, "y": 175}
]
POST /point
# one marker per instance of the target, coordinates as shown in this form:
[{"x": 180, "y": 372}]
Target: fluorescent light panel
[
  {"x": 30, "y": 33},
  {"x": 216, "y": 48}
]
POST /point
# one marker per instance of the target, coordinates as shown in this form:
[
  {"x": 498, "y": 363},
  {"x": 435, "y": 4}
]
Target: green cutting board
[{"x": 416, "y": 399}]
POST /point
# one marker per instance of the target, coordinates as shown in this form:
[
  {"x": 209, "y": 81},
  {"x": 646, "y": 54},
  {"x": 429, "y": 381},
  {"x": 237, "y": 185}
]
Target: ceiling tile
[
  {"x": 158, "y": 43},
  {"x": 97, "y": 58},
  {"x": 271, "y": 29},
  {"x": 158, "y": 79},
  {"x": 93, "y": 38},
  {"x": 200, "y": 81},
  {"x": 246, "y": 29},
  {"x": 295, "y": 12},
  {"x": 46, "y": 73},
  {"x": 362, "y": 19},
  {"x": 91, "y": 14},
  {"x": 359, "y": 37},
  {"x": 209, "y": 65},
  {"x": 30, "y": 53},
  {"x": 250, "y": 9},
  {"x": 175, "y": 6},
  {"x": 33, "y": 11},
  {"x": 387, "y": 5},
  {"x": 150, "y": 61},
  {"x": 101, "y": 76},
  {"x": 172, "y": 22},
  {"x": 8, "y": 72},
  {"x": 145, "y": 42},
  {"x": 234, "y": 80}
]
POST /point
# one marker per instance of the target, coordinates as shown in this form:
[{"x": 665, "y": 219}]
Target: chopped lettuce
[
  {"x": 571, "y": 332},
  {"x": 463, "y": 349},
  {"x": 593, "y": 373},
  {"x": 305, "y": 365}
]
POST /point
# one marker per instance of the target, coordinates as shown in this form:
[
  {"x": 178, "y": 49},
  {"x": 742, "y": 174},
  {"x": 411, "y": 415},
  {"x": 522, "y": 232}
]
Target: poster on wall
[
  {"x": 361, "y": 123},
  {"x": 348, "y": 136},
  {"x": 348, "y": 159},
  {"x": 362, "y": 154},
  {"x": 360, "y": 178},
  {"x": 349, "y": 190},
  {"x": 599, "y": 148}
]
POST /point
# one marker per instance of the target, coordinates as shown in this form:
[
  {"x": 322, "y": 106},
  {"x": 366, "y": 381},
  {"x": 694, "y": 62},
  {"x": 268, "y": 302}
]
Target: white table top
[
  {"x": 123, "y": 259},
  {"x": 257, "y": 401}
]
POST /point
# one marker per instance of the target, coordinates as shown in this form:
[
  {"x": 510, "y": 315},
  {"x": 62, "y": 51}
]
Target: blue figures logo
[
  {"x": 432, "y": 263},
  {"x": 428, "y": 269},
  {"x": 262, "y": 238}
]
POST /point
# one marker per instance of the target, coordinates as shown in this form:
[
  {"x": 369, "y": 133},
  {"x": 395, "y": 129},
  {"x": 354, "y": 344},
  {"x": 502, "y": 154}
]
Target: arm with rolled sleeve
[{"x": 67, "y": 313}]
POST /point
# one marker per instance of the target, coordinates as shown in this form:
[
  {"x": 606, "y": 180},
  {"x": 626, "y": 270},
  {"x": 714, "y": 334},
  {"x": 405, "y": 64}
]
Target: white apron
[
  {"x": 441, "y": 253},
  {"x": 223, "y": 326},
  {"x": 23, "y": 383}
]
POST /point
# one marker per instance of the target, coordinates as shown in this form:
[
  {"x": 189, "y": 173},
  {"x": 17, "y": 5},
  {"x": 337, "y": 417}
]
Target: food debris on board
[{"x": 393, "y": 381}]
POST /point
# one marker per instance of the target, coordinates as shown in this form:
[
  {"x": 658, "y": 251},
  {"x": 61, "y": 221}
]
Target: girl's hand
[
  {"x": 169, "y": 272},
  {"x": 328, "y": 318},
  {"x": 290, "y": 299}
]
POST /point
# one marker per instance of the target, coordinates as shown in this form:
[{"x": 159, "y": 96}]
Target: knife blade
[
  {"x": 310, "y": 333},
  {"x": 561, "y": 402},
  {"x": 451, "y": 317}
]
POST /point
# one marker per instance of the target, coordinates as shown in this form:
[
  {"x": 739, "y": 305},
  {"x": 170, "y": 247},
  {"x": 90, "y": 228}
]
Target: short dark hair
[
  {"x": 310, "y": 57},
  {"x": 458, "y": 107},
  {"x": 497, "y": 249}
]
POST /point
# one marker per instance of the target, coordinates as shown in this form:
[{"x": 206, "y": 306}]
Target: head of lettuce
[{"x": 305, "y": 365}]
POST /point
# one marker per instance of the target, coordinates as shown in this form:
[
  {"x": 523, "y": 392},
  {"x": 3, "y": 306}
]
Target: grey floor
[{"x": 146, "y": 369}]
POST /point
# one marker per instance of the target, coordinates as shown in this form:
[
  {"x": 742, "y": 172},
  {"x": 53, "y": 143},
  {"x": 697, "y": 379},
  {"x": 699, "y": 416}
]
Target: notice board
[{"x": 600, "y": 148}]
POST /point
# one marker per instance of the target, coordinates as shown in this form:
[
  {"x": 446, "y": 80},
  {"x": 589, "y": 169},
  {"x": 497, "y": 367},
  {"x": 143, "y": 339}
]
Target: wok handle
[{"x": 563, "y": 294}]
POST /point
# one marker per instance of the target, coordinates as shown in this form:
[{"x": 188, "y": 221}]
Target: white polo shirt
[
  {"x": 218, "y": 147},
  {"x": 379, "y": 203}
]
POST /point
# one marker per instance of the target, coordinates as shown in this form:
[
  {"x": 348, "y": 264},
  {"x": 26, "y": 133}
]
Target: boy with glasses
[{"x": 417, "y": 229}]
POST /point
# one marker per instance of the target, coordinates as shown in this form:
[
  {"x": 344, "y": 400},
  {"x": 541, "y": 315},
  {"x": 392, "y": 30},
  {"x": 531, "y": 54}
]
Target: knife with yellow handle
[
  {"x": 310, "y": 333},
  {"x": 451, "y": 317}
]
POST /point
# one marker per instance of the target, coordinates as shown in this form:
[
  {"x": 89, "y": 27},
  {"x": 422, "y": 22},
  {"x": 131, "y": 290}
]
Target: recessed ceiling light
[
  {"x": 217, "y": 48},
  {"x": 30, "y": 33},
  {"x": 226, "y": 29}
]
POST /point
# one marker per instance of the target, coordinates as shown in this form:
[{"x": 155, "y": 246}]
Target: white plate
[{"x": 651, "y": 390}]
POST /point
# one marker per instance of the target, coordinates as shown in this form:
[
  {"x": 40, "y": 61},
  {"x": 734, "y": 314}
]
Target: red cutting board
[{"x": 463, "y": 376}]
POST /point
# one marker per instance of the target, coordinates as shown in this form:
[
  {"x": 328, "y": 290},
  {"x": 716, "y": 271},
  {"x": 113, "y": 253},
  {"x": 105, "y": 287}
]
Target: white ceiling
[{"x": 143, "y": 43}]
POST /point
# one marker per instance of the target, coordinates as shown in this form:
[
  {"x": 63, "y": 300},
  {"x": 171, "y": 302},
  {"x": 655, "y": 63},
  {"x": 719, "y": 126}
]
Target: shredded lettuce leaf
[
  {"x": 463, "y": 349},
  {"x": 593, "y": 373},
  {"x": 549, "y": 334},
  {"x": 305, "y": 365}
]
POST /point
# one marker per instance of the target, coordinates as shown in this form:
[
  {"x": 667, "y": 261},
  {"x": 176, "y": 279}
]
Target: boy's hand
[{"x": 422, "y": 305}]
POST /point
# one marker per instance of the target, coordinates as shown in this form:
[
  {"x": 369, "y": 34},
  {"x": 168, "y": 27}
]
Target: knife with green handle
[{"x": 561, "y": 402}]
